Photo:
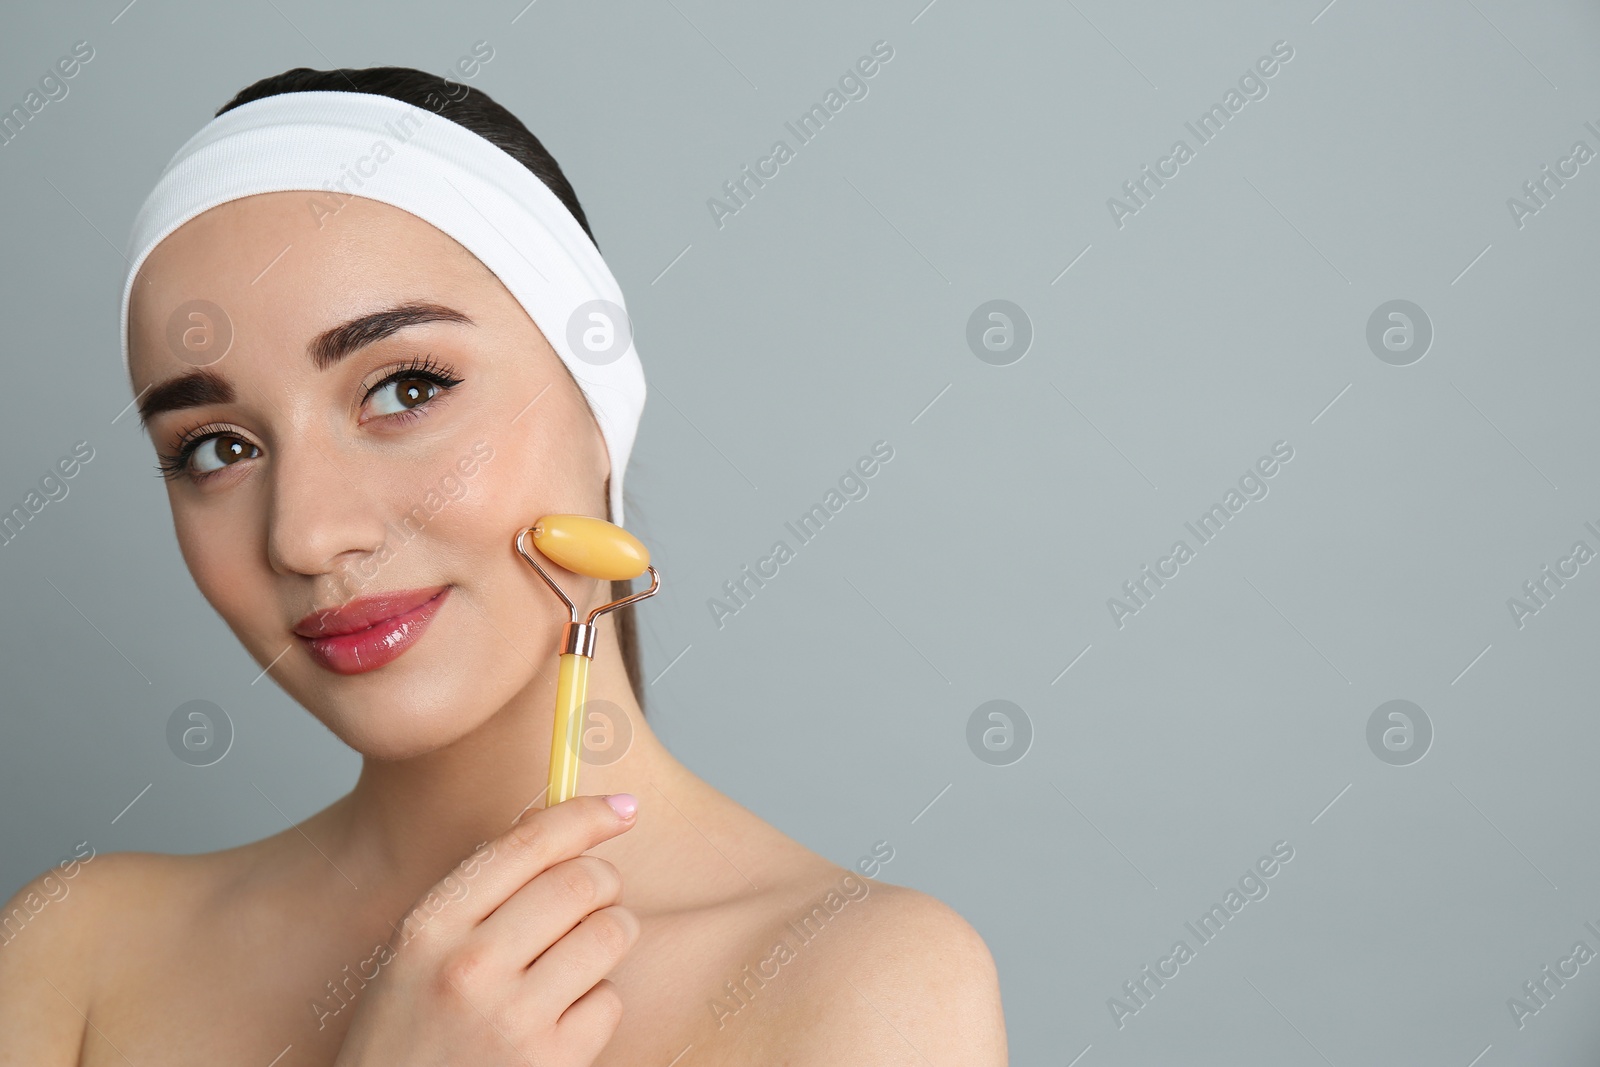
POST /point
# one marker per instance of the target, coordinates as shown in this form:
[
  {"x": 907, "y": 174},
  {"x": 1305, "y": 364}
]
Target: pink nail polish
[{"x": 624, "y": 804}]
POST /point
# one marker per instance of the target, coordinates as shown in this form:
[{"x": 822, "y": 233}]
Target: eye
[
  {"x": 403, "y": 394},
  {"x": 205, "y": 450},
  {"x": 411, "y": 387},
  {"x": 221, "y": 450}
]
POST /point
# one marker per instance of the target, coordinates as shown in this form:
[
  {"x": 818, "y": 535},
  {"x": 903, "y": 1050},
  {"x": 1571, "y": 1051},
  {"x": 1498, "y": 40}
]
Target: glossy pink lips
[{"x": 365, "y": 634}]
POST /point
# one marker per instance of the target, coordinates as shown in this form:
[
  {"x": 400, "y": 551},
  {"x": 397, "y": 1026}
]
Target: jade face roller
[{"x": 593, "y": 548}]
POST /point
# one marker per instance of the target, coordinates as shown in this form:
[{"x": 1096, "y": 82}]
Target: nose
[{"x": 323, "y": 515}]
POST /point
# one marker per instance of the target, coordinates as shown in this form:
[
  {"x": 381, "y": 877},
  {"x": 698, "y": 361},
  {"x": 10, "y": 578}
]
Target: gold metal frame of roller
[{"x": 596, "y": 549}]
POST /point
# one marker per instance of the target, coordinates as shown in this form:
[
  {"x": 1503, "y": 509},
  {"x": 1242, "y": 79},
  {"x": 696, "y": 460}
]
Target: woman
[{"x": 355, "y": 414}]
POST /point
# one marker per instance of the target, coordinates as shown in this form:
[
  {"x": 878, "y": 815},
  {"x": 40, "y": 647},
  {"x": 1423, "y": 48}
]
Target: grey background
[{"x": 830, "y": 313}]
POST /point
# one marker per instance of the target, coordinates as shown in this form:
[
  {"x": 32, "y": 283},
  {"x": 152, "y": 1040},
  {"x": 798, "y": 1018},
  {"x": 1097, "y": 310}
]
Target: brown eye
[
  {"x": 403, "y": 394},
  {"x": 221, "y": 450}
]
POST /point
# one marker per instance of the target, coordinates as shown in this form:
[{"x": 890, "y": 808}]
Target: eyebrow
[{"x": 200, "y": 387}]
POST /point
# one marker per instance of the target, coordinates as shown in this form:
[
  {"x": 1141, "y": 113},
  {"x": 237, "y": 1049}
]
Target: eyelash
[{"x": 176, "y": 465}]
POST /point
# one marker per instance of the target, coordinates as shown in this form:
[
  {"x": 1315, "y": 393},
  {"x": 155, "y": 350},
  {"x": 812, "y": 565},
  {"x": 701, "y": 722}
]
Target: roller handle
[{"x": 566, "y": 740}]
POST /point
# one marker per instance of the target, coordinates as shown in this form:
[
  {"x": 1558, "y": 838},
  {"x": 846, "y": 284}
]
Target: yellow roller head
[{"x": 592, "y": 547}]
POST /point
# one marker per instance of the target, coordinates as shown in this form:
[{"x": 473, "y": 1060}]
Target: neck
[{"x": 408, "y": 822}]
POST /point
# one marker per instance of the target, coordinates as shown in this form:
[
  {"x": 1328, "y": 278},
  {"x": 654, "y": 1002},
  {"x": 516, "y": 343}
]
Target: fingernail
[{"x": 624, "y": 804}]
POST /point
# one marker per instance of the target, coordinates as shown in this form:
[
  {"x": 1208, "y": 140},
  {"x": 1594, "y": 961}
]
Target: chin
[
  {"x": 448, "y": 684},
  {"x": 402, "y": 729},
  {"x": 394, "y": 714}
]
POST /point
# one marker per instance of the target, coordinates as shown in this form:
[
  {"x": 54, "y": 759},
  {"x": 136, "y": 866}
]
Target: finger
[
  {"x": 540, "y": 840},
  {"x": 587, "y": 1026},
  {"x": 586, "y": 954},
  {"x": 540, "y": 913}
]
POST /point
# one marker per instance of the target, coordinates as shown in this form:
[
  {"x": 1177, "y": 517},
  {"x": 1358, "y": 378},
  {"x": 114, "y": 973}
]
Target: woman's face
[{"x": 323, "y": 463}]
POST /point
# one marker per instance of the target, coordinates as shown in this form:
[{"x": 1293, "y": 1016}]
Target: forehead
[{"x": 288, "y": 264}]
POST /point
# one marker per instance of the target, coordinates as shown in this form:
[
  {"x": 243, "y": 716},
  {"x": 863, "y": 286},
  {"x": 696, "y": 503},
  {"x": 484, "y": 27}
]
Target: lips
[{"x": 365, "y": 634}]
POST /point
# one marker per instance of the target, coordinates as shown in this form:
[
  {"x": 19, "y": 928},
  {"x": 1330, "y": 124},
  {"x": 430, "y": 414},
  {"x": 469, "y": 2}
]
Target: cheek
[
  {"x": 223, "y": 553},
  {"x": 549, "y": 461},
  {"x": 438, "y": 495},
  {"x": 446, "y": 525},
  {"x": 531, "y": 471},
  {"x": 201, "y": 544}
]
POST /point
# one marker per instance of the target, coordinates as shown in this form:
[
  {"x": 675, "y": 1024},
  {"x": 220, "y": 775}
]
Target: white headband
[{"x": 409, "y": 157}]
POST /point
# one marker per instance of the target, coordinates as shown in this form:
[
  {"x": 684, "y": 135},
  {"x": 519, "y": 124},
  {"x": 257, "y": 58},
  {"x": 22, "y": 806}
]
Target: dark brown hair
[{"x": 474, "y": 110}]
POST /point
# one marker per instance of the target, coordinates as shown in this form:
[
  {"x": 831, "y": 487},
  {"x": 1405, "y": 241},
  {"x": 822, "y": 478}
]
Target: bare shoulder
[
  {"x": 904, "y": 980},
  {"x": 50, "y": 934},
  {"x": 829, "y": 967},
  {"x": 84, "y": 928}
]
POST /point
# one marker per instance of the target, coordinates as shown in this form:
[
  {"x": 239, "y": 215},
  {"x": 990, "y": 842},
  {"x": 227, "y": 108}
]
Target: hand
[{"x": 512, "y": 972}]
